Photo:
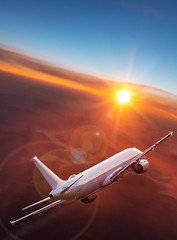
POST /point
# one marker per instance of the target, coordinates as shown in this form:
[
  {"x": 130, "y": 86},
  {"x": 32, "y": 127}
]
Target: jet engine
[
  {"x": 142, "y": 166},
  {"x": 89, "y": 198}
]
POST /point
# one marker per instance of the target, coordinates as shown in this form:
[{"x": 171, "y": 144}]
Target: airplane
[{"x": 85, "y": 185}]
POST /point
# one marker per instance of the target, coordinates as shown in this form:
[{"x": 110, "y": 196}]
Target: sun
[{"x": 123, "y": 96}]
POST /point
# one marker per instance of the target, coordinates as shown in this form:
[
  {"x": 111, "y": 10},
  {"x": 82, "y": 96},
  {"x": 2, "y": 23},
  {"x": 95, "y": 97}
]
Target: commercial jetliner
[{"x": 86, "y": 184}]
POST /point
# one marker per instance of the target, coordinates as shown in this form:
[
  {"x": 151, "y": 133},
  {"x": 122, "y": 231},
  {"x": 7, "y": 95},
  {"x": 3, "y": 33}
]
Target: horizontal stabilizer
[
  {"x": 59, "y": 202},
  {"x": 36, "y": 203},
  {"x": 50, "y": 177}
]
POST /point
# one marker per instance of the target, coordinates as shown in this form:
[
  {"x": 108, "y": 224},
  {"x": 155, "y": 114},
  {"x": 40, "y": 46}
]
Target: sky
[
  {"x": 45, "y": 110},
  {"x": 53, "y": 123},
  {"x": 124, "y": 40}
]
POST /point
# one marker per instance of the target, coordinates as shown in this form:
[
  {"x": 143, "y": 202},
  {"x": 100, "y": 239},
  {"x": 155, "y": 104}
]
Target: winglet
[
  {"x": 12, "y": 222},
  {"x": 171, "y": 133}
]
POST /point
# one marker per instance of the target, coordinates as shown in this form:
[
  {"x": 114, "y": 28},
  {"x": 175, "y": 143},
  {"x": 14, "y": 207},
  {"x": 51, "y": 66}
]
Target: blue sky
[{"x": 131, "y": 40}]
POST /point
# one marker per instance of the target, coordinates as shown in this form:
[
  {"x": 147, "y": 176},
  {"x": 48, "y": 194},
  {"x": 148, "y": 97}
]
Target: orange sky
[{"x": 43, "y": 119}]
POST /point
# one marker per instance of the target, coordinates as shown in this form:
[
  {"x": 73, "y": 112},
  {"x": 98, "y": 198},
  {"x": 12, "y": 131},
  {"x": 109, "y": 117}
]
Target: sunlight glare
[{"x": 123, "y": 96}]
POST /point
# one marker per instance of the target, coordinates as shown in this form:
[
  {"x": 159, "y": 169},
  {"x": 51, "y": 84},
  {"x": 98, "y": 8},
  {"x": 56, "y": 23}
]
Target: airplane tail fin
[{"x": 50, "y": 177}]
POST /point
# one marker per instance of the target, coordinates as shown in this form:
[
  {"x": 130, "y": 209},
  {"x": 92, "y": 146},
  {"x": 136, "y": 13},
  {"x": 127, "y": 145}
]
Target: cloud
[{"x": 40, "y": 118}]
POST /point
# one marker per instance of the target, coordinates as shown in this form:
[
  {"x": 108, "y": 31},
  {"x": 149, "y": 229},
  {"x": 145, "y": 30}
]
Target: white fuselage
[{"x": 92, "y": 179}]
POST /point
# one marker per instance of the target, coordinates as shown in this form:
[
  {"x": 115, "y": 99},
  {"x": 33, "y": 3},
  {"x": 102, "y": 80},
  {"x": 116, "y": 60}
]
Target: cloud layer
[{"x": 48, "y": 112}]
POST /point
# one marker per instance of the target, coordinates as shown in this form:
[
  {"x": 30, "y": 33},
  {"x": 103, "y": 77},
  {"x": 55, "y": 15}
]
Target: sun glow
[{"x": 123, "y": 96}]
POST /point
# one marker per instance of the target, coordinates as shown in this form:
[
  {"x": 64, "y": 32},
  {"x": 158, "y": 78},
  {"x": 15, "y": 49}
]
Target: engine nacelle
[
  {"x": 89, "y": 199},
  {"x": 142, "y": 166}
]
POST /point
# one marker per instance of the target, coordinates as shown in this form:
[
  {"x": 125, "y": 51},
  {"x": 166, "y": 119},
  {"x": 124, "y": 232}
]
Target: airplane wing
[
  {"x": 58, "y": 202},
  {"x": 36, "y": 203},
  {"x": 72, "y": 183},
  {"x": 119, "y": 172}
]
